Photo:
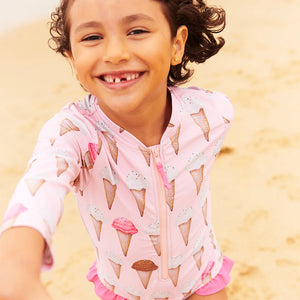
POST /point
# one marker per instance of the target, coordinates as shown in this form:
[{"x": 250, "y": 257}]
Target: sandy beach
[{"x": 255, "y": 182}]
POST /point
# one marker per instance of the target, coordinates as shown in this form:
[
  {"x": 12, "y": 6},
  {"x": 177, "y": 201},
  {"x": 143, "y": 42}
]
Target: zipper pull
[{"x": 160, "y": 167}]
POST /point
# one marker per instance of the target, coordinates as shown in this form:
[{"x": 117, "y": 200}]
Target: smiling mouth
[{"x": 126, "y": 77}]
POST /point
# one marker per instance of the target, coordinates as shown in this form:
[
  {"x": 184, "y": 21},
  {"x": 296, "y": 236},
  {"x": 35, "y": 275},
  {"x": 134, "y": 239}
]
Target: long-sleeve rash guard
[{"x": 147, "y": 209}]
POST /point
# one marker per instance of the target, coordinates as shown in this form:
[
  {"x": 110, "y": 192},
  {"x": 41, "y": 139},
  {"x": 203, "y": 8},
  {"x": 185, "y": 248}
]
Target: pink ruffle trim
[
  {"x": 220, "y": 281},
  {"x": 215, "y": 285},
  {"x": 100, "y": 289}
]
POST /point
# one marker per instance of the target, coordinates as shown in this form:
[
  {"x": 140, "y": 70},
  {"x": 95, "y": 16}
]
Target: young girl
[{"x": 137, "y": 151}]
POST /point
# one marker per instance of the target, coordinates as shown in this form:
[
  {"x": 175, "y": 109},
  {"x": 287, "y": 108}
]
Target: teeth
[
  {"x": 124, "y": 77},
  {"x": 108, "y": 79}
]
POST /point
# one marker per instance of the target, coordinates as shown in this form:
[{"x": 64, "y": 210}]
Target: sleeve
[
  {"x": 37, "y": 201},
  {"x": 224, "y": 109},
  {"x": 223, "y": 105}
]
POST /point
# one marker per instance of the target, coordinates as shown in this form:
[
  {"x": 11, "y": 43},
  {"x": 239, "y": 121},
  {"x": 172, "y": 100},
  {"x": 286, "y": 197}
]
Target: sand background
[{"x": 255, "y": 182}]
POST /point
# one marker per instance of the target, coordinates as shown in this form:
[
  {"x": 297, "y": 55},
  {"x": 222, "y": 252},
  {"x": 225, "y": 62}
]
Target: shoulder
[
  {"x": 74, "y": 119},
  {"x": 193, "y": 98}
]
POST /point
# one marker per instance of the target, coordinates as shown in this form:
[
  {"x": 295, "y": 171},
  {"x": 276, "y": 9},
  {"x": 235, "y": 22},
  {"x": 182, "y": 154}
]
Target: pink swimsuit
[{"x": 147, "y": 209}]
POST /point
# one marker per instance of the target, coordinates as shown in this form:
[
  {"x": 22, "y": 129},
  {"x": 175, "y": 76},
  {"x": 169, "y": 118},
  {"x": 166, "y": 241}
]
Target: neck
[{"x": 148, "y": 123}]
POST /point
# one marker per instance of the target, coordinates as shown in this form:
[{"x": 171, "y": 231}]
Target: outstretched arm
[{"x": 21, "y": 251}]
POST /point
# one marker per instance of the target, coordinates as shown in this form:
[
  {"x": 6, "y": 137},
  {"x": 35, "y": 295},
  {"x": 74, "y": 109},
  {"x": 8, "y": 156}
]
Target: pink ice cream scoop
[
  {"x": 125, "y": 229},
  {"x": 93, "y": 149},
  {"x": 124, "y": 225},
  {"x": 208, "y": 269},
  {"x": 14, "y": 211}
]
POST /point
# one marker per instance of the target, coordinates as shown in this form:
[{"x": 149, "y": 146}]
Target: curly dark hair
[{"x": 202, "y": 21}]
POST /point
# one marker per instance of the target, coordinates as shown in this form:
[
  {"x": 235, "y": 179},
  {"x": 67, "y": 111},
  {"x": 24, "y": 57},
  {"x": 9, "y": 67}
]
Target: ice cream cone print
[
  {"x": 110, "y": 286},
  {"x": 88, "y": 162},
  {"x": 134, "y": 297},
  {"x": 174, "y": 140},
  {"x": 170, "y": 194},
  {"x": 206, "y": 275},
  {"x": 147, "y": 154},
  {"x": 125, "y": 229},
  {"x": 13, "y": 213},
  {"x": 185, "y": 230},
  {"x": 99, "y": 144},
  {"x": 67, "y": 126},
  {"x": 97, "y": 219},
  {"x": 226, "y": 121},
  {"x": 110, "y": 181},
  {"x": 198, "y": 257},
  {"x": 218, "y": 146},
  {"x": 34, "y": 185},
  {"x": 125, "y": 239},
  {"x": 204, "y": 211},
  {"x": 76, "y": 182},
  {"x": 112, "y": 145},
  {"x": 139, "y": 196},
  {"x": 212, "y": 239},
  {"x": 137, "y": 185},
  {"x": 94, "y": 151},
  {"x": 52, "y": 141},
  {"x": 187, "y": 295},
  {"x": 153, "y": 230},
  {"x": 161, "y": 295},
  {"x": 173, "y": 274},
  {"x": 197, "y": 175},
  {"x": 110, "y": 192},
  {"x": 201, "y": 120},
  {"x": 145, "y": 277},
  {"x": 134, "y": 294},
  {"x": 62, "y": 165},
  {"x": 208, "y": 92},
  {"x": 174, "y": 268},
  {"x": 30, "y": 163},
  {"x": 109, "y": 282},
  {"x": 115, "y": 262},
  {"x": 171, "y": 174},
  {"x": 184, "y": 223},
  {"x": 97, "y": 225},
  {"x": 144, "y": 269},
  {"x": 186, "y": 290},
  {"x": 155, "y": 239}
]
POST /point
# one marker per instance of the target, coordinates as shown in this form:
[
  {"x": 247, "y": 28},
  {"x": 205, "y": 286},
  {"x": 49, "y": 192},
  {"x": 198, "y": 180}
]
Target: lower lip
[{"x": 121, "y": 85}]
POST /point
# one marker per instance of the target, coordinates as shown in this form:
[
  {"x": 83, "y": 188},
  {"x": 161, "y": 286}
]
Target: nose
[{"x": 116, "y": 51}]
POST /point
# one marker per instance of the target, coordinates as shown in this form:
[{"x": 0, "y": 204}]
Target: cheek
[
  {"x": 83, "y": 61},
  {"x": 159, "y": 53}
]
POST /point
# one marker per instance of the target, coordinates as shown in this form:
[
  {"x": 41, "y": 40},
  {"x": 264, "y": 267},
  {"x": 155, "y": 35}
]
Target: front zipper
[{"x": 162, "y": 183}]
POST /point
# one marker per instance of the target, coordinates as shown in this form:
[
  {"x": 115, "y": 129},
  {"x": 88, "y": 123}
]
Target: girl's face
[{"x": 122, "y": 52}]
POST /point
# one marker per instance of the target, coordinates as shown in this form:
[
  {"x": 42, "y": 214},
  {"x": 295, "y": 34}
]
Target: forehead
[{"x": 112, "y": 10}]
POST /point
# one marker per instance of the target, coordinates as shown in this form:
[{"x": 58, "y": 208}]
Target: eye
[
  {"x": 92, "y": 38},
  {"x": 137, "y": 31}
]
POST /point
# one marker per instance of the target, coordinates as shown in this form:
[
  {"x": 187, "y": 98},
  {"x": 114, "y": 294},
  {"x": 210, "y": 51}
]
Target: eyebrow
[{"x": 127, "y": 19}]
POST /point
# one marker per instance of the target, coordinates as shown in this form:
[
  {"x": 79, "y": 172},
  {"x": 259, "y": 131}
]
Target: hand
[{"x": 21, "y": 251}]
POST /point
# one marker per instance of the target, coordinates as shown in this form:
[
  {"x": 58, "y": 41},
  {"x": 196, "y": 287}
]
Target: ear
[{"x": 178, "y": 45}]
